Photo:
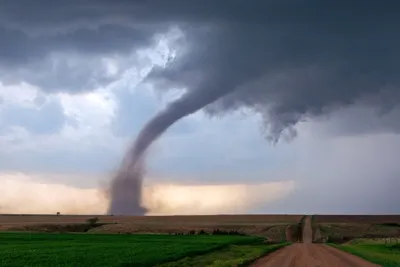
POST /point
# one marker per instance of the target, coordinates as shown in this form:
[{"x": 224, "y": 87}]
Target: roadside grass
[
  {"x": 340, "y": 233},
  {"x": 44, "y": 249},
  {"x": 232, "y": 256},
  {"x": 377, "y": 251}
]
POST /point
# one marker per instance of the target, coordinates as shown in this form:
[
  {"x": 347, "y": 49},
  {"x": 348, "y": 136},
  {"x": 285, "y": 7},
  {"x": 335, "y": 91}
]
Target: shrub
[
  {"x": 222, "y": 232},
  {"x": 202, "y": 232},
  {"x": 92, "y": 221}
]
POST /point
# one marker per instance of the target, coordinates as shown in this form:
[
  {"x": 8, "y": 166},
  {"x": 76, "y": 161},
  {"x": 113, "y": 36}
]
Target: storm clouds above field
[{"x": 78, "y": 79}]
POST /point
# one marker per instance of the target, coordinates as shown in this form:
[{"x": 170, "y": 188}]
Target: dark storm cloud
[
  {"x": 36, "y": 59},
  {"x": 34, "y": 35},
  {"x": 288, "y": 60},
  {"x": 291, "y": 71},
  {"x": 19, "y": 46}
]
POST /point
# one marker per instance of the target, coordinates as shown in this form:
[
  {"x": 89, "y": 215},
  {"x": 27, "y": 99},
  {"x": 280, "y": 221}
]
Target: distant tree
[
  {"x": 58, "y": 213},
  {"x": 192, "y": 232}
]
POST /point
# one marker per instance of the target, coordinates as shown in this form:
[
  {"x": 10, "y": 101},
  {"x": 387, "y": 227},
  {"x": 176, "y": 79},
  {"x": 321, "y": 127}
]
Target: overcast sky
[{"x": 307, "y": 120}]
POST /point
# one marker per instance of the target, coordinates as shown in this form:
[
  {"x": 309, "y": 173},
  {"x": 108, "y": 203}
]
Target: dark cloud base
[{"x": 284, "y": 59}]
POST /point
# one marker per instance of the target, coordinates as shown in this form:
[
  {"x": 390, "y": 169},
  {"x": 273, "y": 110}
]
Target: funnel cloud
[{"x": 126, "y": 187}]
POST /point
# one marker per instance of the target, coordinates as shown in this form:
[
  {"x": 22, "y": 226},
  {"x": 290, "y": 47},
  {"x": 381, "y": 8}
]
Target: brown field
[
  {"x": 343, "y": 228},
  {"x": 357, "y": 218},
  {"x": 194, "y": 219},
  {"x": 332, "y": 228},
  {"x": 343, "y": 232},
  {"x": 270, "y": 226}
]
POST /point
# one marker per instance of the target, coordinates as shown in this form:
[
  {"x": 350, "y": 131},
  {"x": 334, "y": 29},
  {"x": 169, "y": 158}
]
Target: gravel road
[{"x": 307, "y": 254}]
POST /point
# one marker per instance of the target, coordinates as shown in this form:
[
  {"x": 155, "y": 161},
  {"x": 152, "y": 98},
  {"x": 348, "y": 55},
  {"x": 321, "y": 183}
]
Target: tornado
[{"x": 126, "y": 186}]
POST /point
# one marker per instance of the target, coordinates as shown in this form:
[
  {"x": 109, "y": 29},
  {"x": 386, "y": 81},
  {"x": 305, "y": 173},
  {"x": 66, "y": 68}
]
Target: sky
[{"x": 305, "y": 122}]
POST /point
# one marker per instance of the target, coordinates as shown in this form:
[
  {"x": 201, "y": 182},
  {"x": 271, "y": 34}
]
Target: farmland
[
  {"x": 44, "y": 249},
  {"x": 357, "y": 218},
  {"x": 193, "y": 219},
  {"x": 219, "y": 240},
  {"x": 268, "y": 226},
  {"x": 215, "y": 240}
]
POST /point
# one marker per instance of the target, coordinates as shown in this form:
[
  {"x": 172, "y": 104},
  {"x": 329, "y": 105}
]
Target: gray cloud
[
  {"x": 288, "y": 60},
  {"x": 285, "y": 59},
  {"x": 290, "y": 72},
  {"x": 358, "y": 120},
  {"x": 41, "y": 42},
  {"x": 67, "y": 61}
]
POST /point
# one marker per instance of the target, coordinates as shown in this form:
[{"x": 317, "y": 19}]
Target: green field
[
  {"x": 39, "y": 249},
  {"x": 376, "y": 251}
]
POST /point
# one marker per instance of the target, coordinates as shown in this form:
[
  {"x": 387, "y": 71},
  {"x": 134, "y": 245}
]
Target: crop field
[
  {"x": 71, "y": 240},
  {"x": 45, "y": 249},
  {"x": 385, "y": 252}
]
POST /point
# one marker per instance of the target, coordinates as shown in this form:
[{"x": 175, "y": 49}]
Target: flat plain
[
  {"x": 206, "y": 240},
  {"x": 267, "y": 226},
  {"x": 357, "y": 218}
]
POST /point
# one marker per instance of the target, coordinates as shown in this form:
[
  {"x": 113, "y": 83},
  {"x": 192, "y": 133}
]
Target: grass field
[
  {"x": 379, "y": 251},
  {"x": 43, "y": 249}
]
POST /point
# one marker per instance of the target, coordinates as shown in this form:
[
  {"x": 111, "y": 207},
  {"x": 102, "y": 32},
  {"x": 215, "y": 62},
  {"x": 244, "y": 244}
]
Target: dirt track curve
[{"x": 307, "y": 254}]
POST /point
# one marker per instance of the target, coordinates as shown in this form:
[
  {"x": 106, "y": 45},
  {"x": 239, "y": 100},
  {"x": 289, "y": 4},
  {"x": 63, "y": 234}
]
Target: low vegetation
[
  {"x": 44, "y": 249},
  {"x": 340, "y": 233},
  {"x": 234, "y": 255},
  {"x": 57, "y": 228},
  {"x": 385, "y": 252}
]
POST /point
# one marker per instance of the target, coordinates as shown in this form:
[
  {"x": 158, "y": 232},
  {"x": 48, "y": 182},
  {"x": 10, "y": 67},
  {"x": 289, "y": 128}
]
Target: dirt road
[{"x": 307, "y": 254}]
